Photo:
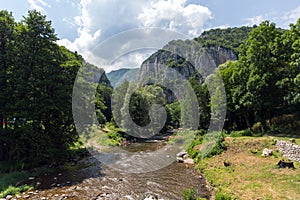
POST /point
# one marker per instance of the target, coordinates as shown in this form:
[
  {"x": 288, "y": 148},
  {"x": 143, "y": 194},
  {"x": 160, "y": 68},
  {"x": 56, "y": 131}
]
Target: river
[{"x": 90, "y": 179}]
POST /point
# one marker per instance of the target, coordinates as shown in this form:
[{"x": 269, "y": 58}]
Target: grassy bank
[
  {"x": 15, "y": 178},
  {"x": 108, "y": 135},
  {"x": 250, "y": 176},
  {"x": 9, "y": 180}
]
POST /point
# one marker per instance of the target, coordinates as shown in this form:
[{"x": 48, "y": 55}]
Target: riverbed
[{"x": 91, "y": 179}]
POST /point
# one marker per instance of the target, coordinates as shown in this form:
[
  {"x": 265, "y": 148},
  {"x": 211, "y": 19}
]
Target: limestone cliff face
[
  {"x": 185, "y": 58},
  {"x": 165, "y": 64}
]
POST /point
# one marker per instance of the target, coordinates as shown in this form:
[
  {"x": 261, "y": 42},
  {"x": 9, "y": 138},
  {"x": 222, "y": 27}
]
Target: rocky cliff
[{"x": 186, "y": 59}]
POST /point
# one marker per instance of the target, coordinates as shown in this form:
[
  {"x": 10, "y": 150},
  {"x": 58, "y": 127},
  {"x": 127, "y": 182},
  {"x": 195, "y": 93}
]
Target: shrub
[
  {"x": 223, "y": 196},
  {"x": 246, "y": 132},
  {"x": 218, "y": 148},
  {"x": 110, "y": 139},
  {"x": 206, "y": 140},
  {"x": 14, "y": 190},
  {"x": 12, "y": 178},
  {"x": 257, "y": 128},
  {"x": 190, "y": 194}
]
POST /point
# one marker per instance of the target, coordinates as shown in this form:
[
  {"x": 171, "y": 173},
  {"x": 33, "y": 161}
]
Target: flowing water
[{"x": 90, "y": 179}]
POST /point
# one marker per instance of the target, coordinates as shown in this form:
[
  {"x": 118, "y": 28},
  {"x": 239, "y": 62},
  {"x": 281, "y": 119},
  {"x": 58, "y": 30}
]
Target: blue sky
[{"x": 83, "y": 24}]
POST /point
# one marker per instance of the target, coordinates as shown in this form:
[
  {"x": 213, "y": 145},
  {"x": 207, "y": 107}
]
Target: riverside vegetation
[{"x": 262, "y": 88}]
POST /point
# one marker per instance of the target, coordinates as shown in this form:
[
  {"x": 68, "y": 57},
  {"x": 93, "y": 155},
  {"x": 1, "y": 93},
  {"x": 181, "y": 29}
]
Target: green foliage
[
  {"x": 246, "y": 132},
  {"x": 230, "y": 37},
  {"x": 11, "y": 190},
  {"x": 36, "y": 85},
  {"x": 174, "y": 113},
  {"x": 261, "y": 84},
  {"x": 8, "y": 180},
  {"x": 176, "y": 62},
  {"x": 218, "y": 147},
  {"x": 222, "y": 196},
  {"x": 189, "y": 194},
  {"x": 206, "y": 145},
  {"x": 257, "y": 128},
  {"x": 110, "y": 139},
  {"x": 135, "y": 113}
]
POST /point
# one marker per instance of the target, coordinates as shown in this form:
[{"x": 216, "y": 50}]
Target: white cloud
[
  {"x": 38, "y": 5},
  {"x": 223, "y": 26},
  {"x": 100, "y": 19},
  {"x": 175, "y": 15},
  {"x": 130, "y": 60},
  {"x": 255, "y": 20},
  {"x": 282, "y": 19},
  {"x": 291, "y": 16}
]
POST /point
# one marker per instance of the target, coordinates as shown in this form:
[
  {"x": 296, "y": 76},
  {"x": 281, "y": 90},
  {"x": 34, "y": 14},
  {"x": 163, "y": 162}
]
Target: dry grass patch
[{"x": 251, "y": 176}]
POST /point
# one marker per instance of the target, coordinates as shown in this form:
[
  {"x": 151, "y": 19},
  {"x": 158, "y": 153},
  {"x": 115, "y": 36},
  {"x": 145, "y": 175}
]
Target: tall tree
[
  {"x": 7, "y": 55},
  {"x": 260, "y": 61}
]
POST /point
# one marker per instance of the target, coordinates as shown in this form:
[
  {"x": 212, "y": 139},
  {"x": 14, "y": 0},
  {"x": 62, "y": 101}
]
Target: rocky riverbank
[{"x": 90, "y": 179}]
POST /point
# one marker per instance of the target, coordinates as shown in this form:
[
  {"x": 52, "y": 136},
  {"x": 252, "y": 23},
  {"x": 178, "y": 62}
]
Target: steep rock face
[
  {"x": 166, "y": 65},
  {"x": 220, "y": 54},
  {"x": 186, "y": 58}
]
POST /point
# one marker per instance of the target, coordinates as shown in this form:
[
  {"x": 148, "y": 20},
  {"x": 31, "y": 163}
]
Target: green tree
[
  {"x": 118, "y": 97},
  {"x": 262, "y": 71},
  {"x": 289, "y": 47},
  {"x": 7, "y": 55}
]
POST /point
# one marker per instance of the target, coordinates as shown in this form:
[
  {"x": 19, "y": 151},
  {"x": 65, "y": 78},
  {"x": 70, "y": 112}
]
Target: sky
[{"x": 115, "y": 34}]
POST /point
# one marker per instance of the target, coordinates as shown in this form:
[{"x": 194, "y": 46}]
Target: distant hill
[{"x": 117, "y": 77}]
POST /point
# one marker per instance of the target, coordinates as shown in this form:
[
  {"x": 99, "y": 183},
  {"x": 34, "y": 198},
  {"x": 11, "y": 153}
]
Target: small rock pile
[
  {"x": 183, "y": 157},
  {"x": 289, "y": 150}
]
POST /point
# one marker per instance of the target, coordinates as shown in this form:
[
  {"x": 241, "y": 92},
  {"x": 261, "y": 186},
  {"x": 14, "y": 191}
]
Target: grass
[
  {"x": 111, "y": 138},
  {"x": 9, "y": 180},
  {"x": 109, "y": 135},
  {"x": 250, "y": 176},
  {"x": 190, "y": 194},
  {"x": 11, "y": 190}
]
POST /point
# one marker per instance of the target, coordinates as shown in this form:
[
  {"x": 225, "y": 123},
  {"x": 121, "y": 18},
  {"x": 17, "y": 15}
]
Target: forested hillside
[
  {"x": 262, "y": 86},
  {"x": 230, "y": 37}
]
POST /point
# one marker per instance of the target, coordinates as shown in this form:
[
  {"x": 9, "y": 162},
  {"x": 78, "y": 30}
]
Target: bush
[
  {"x": 246, "y": 132},
  {"x": 190, "y": 194},
  {"x": 223, "y": 196},
  {"x": 8, "y": 179},
  {"x": 14, "y": 190},
  {"x": 257, "y": 128},
  {"x": 110, "y": 139},
  {"x": 218, "y": 146}
]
